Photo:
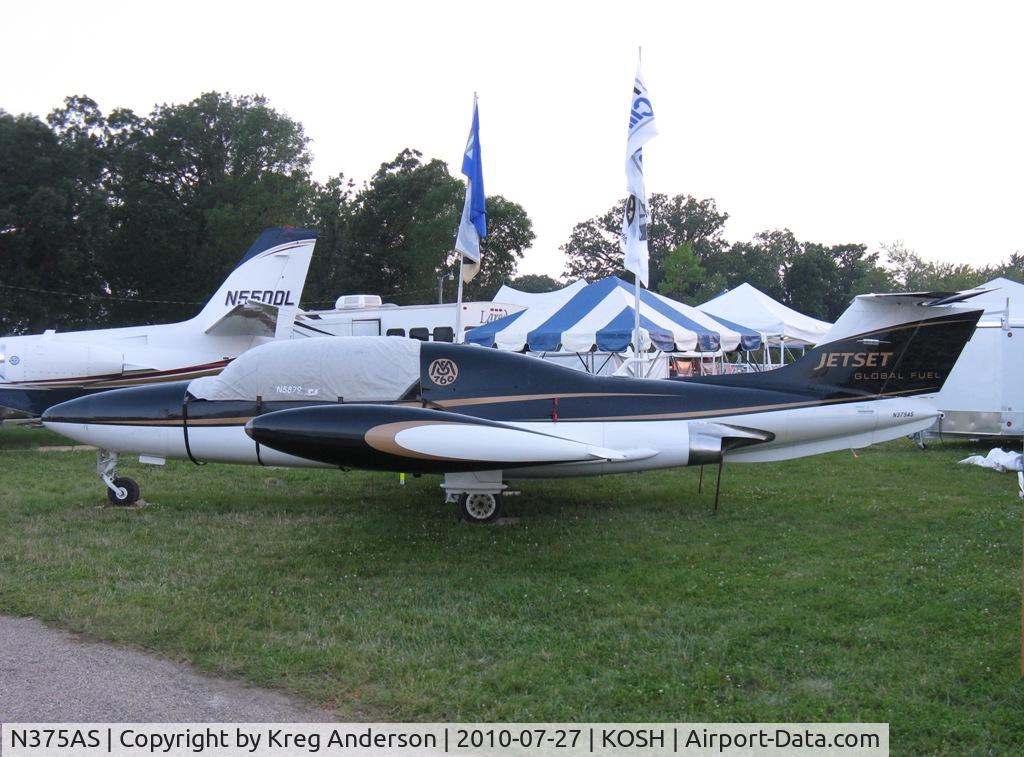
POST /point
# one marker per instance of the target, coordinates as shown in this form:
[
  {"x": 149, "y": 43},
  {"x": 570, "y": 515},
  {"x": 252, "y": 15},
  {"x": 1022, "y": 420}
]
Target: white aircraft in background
[
  {"x": 480, "y": 416},
  {"x": 255, "y": 304}
]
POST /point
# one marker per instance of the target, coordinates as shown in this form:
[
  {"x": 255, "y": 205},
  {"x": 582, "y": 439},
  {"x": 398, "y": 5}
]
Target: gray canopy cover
[{"x": 326, "y": 369}]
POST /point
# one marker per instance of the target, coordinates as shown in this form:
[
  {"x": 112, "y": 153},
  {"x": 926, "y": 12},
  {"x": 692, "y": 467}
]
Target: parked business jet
[
  {"x": 480, "y": 416},
  {"x": 256, "y": 303}
]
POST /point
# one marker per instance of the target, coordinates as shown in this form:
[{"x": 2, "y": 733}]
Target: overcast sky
[{"x": 845, "y": 122}]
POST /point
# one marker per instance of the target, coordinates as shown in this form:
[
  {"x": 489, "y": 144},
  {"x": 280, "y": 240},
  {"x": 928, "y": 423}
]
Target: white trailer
[{"x": 984, "y": 394}]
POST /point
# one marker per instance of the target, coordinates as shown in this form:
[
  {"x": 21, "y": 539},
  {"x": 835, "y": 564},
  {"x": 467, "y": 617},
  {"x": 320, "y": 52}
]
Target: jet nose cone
[
  {"x": 102, "y": 418},
  {"x": 78, "y": 410},
  {"x": 71, "y": 419},
  {"x": 140, "y": 403}
]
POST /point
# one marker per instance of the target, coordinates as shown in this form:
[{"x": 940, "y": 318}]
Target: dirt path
[{"x": 48, "y": 675}]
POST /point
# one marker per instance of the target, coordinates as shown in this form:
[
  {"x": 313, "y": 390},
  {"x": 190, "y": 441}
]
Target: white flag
[{"x": 635, "y": 215}]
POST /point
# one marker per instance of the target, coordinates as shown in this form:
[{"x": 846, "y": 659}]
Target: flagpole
[
  {"x": 458, "y": 304},
  {"x": 636, "y": 322},
  {"x": 636, "y": 276}
]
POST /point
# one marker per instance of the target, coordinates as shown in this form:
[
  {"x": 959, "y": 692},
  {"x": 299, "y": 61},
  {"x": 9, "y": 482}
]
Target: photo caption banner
[{"x": 406, "y": 739}]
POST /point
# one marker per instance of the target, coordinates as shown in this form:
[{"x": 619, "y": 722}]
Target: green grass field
[{"x": 878, "y": 587}]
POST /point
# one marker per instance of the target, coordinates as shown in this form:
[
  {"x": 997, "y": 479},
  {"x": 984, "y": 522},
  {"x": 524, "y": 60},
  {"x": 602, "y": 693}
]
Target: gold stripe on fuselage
[
  {"x": 531, "y": 397},
  {"x": 236, "y": 421}
]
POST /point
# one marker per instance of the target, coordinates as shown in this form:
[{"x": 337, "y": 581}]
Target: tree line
[
  {"x": 111, "y": 219},
  {"x": 691, "y": 261},
  {"x": 114, "y": 218}
]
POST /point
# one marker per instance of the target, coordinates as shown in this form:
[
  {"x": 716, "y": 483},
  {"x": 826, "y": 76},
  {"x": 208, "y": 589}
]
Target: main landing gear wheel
[
  {"x": 124, "y": 493},
  {"x": 481, "y": 507}
]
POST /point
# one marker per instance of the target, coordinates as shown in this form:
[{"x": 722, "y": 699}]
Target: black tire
[
  {"x": 480, "y": 507},
  {"x": 131, "y": 490}
]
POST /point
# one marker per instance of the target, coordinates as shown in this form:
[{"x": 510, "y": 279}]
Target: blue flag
[{"x": 473, "y": 226}]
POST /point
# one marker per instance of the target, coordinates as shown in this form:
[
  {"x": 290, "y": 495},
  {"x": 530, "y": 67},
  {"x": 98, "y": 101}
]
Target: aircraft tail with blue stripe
[{"x": 267, "y": 283}]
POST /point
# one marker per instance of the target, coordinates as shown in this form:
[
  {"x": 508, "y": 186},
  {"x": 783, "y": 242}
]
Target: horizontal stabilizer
[
  {"x": 927, "y": 299},
  {"x": 872, "y": 314},
  {"x": 252, "y": 318}
]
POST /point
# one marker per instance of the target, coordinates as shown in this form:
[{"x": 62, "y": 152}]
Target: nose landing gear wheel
[
  {"x": 480, "y": 507},
  {"x": 126, "y": 492}
]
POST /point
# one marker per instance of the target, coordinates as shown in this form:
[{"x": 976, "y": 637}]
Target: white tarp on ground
[
  {"x": 328, "y": 369},
  {"x": 750, "y": 307},
  {"x": 1002, "y": 461},
  {"x": 997, "y": 459}
]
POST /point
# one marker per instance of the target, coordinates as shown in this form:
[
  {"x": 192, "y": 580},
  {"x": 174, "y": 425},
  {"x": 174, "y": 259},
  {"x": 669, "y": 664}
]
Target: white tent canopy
[
  {"x": 532, "y": 299},
  {"x": 995, "y": 301},
  {"x": 754, "y": 309}
]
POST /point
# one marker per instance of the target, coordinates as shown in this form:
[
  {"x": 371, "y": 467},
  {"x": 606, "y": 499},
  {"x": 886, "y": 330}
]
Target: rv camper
[{"x": 366, "y": 315}]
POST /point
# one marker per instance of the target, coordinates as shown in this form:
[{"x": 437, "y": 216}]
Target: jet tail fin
[
  {"x": 883, "y": 345},
  {"x": 271, "y": 273}
]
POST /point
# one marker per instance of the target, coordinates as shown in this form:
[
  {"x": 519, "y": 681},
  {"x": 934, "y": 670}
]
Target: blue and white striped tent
[{"x": 600, "y": 318}]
